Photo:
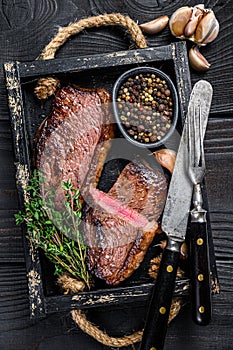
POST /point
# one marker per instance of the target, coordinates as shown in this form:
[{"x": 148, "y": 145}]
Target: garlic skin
[
  {"x": 207, "y": 29},
  {"x": 197, "y": 61},
  {"x": 194, "y": 23},
  {"x": 166, "y": 158},
  {"x": 155, "y": 26},
  {"x": 191, "y": 26},
  {"x": 179, "y": 20}
]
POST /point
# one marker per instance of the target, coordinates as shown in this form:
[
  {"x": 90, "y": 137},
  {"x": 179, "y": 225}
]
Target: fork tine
[
  {"x": 190, "y": 146},
  {"x": 198, "y": 134},
  {"x": 195, "y": 135},
  {"x": 194, "y": 139},
  {"x": 202, "y": 155},
  {"x": 196, "y": 161}
]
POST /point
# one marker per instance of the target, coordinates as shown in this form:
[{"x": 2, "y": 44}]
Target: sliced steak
[
  {"x": 117, "y": 240},
  {"x": 66, "y": 141}
]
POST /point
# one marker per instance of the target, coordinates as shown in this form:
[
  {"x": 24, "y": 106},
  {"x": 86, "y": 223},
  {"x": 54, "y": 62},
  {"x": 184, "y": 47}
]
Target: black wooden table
[{"x": 26, "y": 26}]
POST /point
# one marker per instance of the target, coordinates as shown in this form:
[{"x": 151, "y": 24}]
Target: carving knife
[{"x": 174, "y": 224}]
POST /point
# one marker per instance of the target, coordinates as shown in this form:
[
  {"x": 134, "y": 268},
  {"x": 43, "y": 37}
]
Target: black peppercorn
[{"x": 146, "y": 107}]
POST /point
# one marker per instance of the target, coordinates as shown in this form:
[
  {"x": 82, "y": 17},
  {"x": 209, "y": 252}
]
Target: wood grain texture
[
  {"x": 11, "y": 247},
  {"x": 25, "y": 28},
  {"x": 59, "y": 332}
]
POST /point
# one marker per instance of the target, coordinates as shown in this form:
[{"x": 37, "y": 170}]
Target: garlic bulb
[{"x": 194, "y": 23}]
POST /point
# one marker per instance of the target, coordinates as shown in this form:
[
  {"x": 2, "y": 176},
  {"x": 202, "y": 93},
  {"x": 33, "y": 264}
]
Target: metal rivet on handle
[
  {"x": 162, "y": 310},
  {"x": 199, "y": 241},
  {"x": 169, "y": 268},
  {"x": 200, "y": 277},
  {"x": 201, "y": 309}
]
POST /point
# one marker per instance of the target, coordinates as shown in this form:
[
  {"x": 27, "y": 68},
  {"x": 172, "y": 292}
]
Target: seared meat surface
[
  {"x": 66, "y": 141},
  {"x": 118, "y": 242}
]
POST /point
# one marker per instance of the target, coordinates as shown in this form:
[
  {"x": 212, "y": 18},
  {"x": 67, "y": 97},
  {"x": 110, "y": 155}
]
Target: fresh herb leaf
[{"x": 51, "y": 235}]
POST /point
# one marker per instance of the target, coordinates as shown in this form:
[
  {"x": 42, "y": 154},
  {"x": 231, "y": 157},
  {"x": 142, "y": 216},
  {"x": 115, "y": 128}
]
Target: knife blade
[
  {"x": 174, "y": 224},
  {"x": 199, "y": 247}
]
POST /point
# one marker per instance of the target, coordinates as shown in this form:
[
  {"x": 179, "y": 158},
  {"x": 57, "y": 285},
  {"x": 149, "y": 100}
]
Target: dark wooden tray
[{"x": 26, "y": 113}]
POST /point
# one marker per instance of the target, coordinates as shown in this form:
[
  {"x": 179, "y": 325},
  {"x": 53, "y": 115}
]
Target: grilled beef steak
[
  {"x": 118, "y": 239},
  {"x": 66, "y": 141},
  {"x": 72, "y": 143}
]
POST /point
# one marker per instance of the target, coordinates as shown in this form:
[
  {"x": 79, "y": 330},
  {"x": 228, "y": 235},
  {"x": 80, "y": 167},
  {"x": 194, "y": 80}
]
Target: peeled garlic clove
[
  {"x": 191, "y": 26},
  {"x": 166, "y": 158},
  {"x": 179, "y": 20},
  {"x": 197, "y": 60},
  {"x": 155, "y": 26},
  {"x": 207, "y": 29}
]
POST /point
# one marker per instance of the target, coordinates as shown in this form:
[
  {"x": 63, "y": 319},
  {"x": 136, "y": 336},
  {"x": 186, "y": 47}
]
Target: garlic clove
[
  {"x": 184, "y": 251},
  {"x": 207, "y": 29},
  {"x": 197, "y": 61},
  {"x": 213, "y": 35},
  {"x": 191, "y": 26},
  {"x": 166, "y": 158},
  {"x": 179, "y": 20},
  {"x": 155, "y": 26}
]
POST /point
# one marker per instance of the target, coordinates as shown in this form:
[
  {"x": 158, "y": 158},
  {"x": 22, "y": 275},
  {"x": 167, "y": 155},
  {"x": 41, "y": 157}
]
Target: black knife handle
[
  {"x": 200, "y": 273},
  {"x": 161, "y": 299}
]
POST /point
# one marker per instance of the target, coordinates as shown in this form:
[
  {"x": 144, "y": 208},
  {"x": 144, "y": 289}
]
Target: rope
[
  {"x": 97, "y": 21},
  {"x": 79, "y": 317},
  {"x": 47, "y": 87},
  {"x": 86, "y": 326}
]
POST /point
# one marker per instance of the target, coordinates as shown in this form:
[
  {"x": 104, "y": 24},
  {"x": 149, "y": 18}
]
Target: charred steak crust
[
  {"x": 68, "y": 100},
  {"x": 111, "y": 257},
  {"x": 65, "y": 144}
]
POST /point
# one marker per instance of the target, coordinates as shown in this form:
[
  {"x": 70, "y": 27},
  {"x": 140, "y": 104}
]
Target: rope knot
[{"x": 46, "y": 87}]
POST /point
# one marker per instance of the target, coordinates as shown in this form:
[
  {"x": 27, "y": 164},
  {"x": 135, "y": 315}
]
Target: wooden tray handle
[
  {"x": 47, "y": 87},
  {"x": 96, "y": 21}
]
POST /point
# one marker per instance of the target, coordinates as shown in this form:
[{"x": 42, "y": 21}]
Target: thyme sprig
[{"x": 51, "y": 235}]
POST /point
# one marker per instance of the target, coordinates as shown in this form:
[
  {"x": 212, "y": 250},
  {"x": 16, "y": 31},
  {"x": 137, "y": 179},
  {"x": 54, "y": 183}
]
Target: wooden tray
[{"x": 27, "y": 113}]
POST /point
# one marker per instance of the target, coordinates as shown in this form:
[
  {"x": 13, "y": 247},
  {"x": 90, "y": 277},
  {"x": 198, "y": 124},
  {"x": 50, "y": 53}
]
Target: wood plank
[
  {"x": 219, "y": 162},
  {"x": 109, "y": 297},
  {"x": 182, "y": 333},
  {"x": 222, "y": 227},
  {"x": 8, "y": 194},
  {"x": 13, "y": 290},
  {"x": 219, "y": 137},
  {"x": 11, "y": 247},
  {"x": 38, "y": 68}
]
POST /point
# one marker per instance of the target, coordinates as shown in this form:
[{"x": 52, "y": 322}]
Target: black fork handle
[
  {"x": 200, "y": 273},
  {"x": 199, "y": 261}
]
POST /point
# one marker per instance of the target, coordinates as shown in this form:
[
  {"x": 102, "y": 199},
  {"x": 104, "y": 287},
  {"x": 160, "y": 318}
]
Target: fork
[{"x": 199, "y": 249}]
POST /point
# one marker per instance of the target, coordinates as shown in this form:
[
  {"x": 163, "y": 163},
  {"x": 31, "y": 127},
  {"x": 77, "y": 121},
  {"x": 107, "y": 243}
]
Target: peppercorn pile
[{"x": 145, "y": 107}]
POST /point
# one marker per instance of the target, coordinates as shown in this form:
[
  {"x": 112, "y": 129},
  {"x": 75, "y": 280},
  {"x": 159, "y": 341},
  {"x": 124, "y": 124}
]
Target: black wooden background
[{"x": 26, "y": 26}]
